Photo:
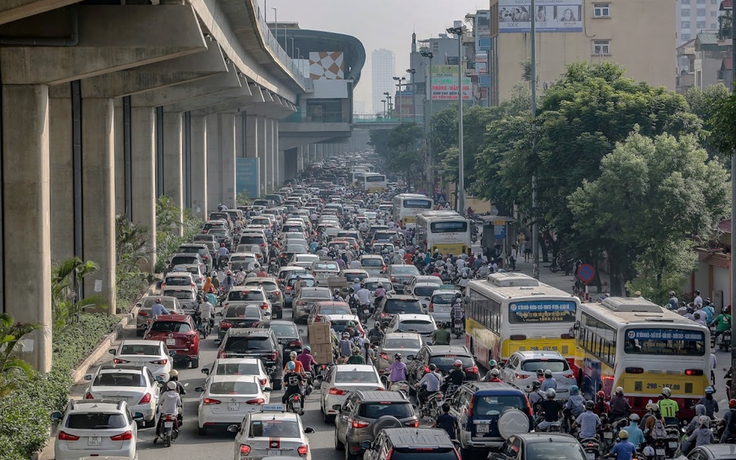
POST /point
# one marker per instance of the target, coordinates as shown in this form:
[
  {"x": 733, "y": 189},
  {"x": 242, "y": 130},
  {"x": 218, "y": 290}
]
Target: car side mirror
[
  {"x": 138, "y": 416},
  {"x": 88, "y": 377},
  {"x": 410, "y": 358},
  {"x": 219, "y": 313},
  {"x": 199, "y": 389},
  {"x": 218, "y": 341},
  {"x": 56, "y": 416},
  {"x": 205, "y": 371},
  {"x": 172, "y": 352},
  {"x": 267, "y": 389},
  {"x": 309, "y": 430},
  {"x": 160, "y": 380},
  {"x": 112, "y": 351},
  {"x": 233, "y": 428},
  {"x": 301, "y": 331}
]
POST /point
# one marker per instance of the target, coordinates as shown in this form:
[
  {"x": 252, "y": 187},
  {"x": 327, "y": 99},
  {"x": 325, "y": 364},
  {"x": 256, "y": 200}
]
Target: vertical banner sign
[
  {"x": 444, "y": 84},
  {"x": 246, "y": 176}
]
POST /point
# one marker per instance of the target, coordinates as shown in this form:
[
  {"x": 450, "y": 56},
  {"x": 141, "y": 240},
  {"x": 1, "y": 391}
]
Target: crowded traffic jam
[{"x": 347, "y": 294}]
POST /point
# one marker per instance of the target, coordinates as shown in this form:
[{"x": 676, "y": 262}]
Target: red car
[{"x": 179, "y": 334}]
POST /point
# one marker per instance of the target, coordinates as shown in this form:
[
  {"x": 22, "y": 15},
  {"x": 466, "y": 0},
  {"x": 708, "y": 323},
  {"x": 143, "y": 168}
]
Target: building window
[
  {"x": 685, "y": 13},
  {"x": 700, "y": 25},
  {"x": 685, "y": 2},
  {"x": 685, "y": 25},
  {"x": 601, "y": 10},
  {"x": 701, "y": 12},
  {"x": 713, "y": 14},
  {"x": 601, "y": 47},
  {"x": 685, "y": 37}
]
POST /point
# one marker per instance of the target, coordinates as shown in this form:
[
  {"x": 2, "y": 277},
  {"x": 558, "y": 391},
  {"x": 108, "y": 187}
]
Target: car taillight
[
  {"x": 472, "y": 369},
  {"x": 393, "y": 279},
  {"x": 522, "y": 376},
  {"x": 127, "y": 436},
  {"x": 431, "y": 306},
  {"x": 143, "y": 313},
  {"x": 119, "y": 361},
  {"x": 63, "y": 436},
  {"x": 222, "y": 354},
  {"x": 569, "y": 376},
  {"x": 693, "y": 371},
  {"x": 244, "y": 449},
  {"x": 384, "y": 356},
  {"x": 263, "y": 381},
  {"x": 303, "y": 450},
  {"x": 264, "y": 306},
  {"x": 337, "y": 391},
  {"x": 274, "y": 355},
  {"x": 210, "y": 401},
  {"x": 412, "y": 423},
  {"x": 390, "y": 453},
  {"x": 163, "y": 285},
  {"x": 145, "y": 399},
  {"x": 160, "y": 361},
  {"x": 470, "y": 408},
  {"x": 639, "y": 370},
  {"x": 296, "y": 343},
  {"x": 225, "y": 324},
  {"x": 256, "y": 401},
  {"x": 359, "y": 424},
  {"x": 89, "y": 396}
]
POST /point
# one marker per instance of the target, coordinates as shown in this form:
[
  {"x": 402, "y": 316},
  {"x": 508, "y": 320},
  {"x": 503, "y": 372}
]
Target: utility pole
[
  {"x": 461, "y": 156},
  {"x": 733, "y": 203},
  {"x": 413, "y": 94},
  {"x": 535, "y": 217},
  {"x": 428, "y": 124}
]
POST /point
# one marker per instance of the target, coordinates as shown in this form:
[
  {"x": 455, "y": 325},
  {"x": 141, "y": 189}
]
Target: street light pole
[
  {"x": 733, "y": 200},
  {"x": 384, "y": 108},
  {"x": 428, "y": 124},
  {"x": 461, "y": 157},
  {"x": 413, "y": 93},
  {"x": 399, "y": 97},
  {"x": 535, "y": 224}
]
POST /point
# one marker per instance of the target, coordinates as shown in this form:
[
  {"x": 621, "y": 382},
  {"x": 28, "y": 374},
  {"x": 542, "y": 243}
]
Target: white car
[
  {"x": 339, "y": 323},
  {"x": 523, "y": 367},
  {"x": 151, "y": 353},
  {"x": 423, "y": 325},
  {"x": 323, "y": 270},
  {"x": 251, "y": 295},
  {"x": 96, "y": 428},
  {"x": 343, "y": 379},
  {"x": 440, "y": 304},
  {"x": 226, "y": 399},
  {"x": 238, "y": 366},
  {"x": 132, "y": 383},
  {"x": 271, "y": 433},
  {"x": 373, "y": 264},
  {"x": 304, "y": 260},
  {"x": 423, "y": 292}
]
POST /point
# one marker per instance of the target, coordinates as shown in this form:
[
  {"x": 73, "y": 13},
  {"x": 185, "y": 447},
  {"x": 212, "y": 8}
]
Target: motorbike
[
  {"x": 431, "y": 407},
  {"x": 202, "y": 326},
  {"x": 321, "y": 370},
  {"x": 605, "y": 432},
  {"x": 673, "y": 441},
  {"x": 222, "y": 262},
  {"x": 592, "y": 448},
  {"x": 723, "y": 341},
  {"x": 309, "y": 387},
  {"x": 457, "y": 328},
  {"x": 660, "y": 448},
  {"x": 295, "y": 404},
  {"x": 169, "y": 429},
  {"x": 728, "y": 382},
  {"x": 555, "y": 427},
  {"x": 365, "y": 313}
]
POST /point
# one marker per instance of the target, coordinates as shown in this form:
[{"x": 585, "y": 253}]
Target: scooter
[
  {"x": 169, "y": 429},
  {"x": 592, "y": 448},
  {"x": 457, "y": 328},
  {"x": 431, "y": 408},
  {"x": 294, "y": 404}
]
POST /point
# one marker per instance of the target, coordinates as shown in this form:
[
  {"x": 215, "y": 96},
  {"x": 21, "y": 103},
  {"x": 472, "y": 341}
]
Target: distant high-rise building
[
  {"x": 384, "y": 68},
  {"x": 695, "y": 16}
]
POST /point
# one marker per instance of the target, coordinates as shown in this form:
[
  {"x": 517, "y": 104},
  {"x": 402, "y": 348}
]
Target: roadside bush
[{"x": 130, "y": 243}]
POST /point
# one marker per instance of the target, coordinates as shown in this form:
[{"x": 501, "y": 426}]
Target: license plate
[
  {"x": 94, "y": 441},
  {"x": 673, "y": 445},
  {"x": 659, "y": 452},
  {"x": 482, "y": 428},
  {"x": 272, "y": 453},
  {"x": 233, "y": 406},
  {"x": 297, "y": 406},
  {"x": 170, "y": 342},
  {"x": 608, "y": 435},
  {"x": 168, "y": 424},
  {"x": 590, "y": 455}
]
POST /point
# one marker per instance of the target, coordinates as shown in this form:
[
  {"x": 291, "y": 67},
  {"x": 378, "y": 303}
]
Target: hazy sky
[{"x": 377, "y": 23}]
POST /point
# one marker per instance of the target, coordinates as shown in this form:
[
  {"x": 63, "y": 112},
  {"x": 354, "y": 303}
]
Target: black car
[
  {"x": 536, "y": 446},
  {"x": 260, "y": 343},
  {"x": 397, "y": 304},
  {"x": 411, "y": 444},
  {"x": 442, "y": 356},
  {"x": 191, "y": 258},
  {"x": 288, "y": 335},
  {"x": 240, "y": 316}
]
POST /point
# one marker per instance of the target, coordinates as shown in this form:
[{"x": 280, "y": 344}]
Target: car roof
[
  {"x": 122, "y": 367},
  {"x": 537, "y": 354},
  {"x": 418, "y": 437},
  {"x": 234, "y": 378},
  {"x": 246, "y": 288},
  {"x": 494, "y": 386},
  {"x": 354, "y": 368},
  {"x": 248, "y": 331},
  {"x": 139, "y": 342},
  {"x": 403, "y": 335},
  {"x": 185, "y": 254},
  {"x": 545, "y": 437},
  {"x": 332, "y": 303},
  {"x": 448, "y": 349},
  {"x": 269, "y": 415},
  {"x": 720, "y": 450},
  {"x": 371, "y": 256},
  {"x": 335, "y": 317},
  {"x": 178, "y": 273},
  {"x": 261, "y": 280},
  {"x": 445, "y": 291},
  {"x": 94, "y": 405},
  {"x": 402, "y": 297},
  {"x": 237, "y": 360},
  {"x": 378, "y": 396},
  {"x": 405, "y": 316}
]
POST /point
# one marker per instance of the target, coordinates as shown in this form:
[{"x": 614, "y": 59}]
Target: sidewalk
[{"x": 558, "y": 280}]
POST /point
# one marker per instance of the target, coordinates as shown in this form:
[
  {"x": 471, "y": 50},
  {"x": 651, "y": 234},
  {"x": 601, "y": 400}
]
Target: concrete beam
[
  {"x": 15, "y": 10},
  {"x": 188, "y": 68},
  {"x": 111, "y": 39},
  {"x": 217, "y": 97},
  {"x": 186, "y": 91}
]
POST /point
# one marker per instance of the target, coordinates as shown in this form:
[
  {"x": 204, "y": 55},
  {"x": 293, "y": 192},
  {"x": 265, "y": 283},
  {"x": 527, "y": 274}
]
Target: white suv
[{"x": 96, "y": 427}]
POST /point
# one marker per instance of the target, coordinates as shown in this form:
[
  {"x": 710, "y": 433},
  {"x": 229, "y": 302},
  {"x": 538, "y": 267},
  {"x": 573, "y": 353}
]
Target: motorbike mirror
[
  {"x": 112, "y": 351},
  {"x": 218, "y": 341},
  {"x": 309, "y": 430},
  {"x": 160, "y": 380},
  {"x": 233, "y": 428},
  {"x": 366, "y": 445},
  {"x": 172, "y": 352},
  {"x": 266, "y": 389},
  {"x": 88, "y": 377},
  {"x": 410, "y": 358},
  {"x": 301, "y": 331}
]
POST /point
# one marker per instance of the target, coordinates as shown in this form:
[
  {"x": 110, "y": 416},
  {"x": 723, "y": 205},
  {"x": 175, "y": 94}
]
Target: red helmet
[
  {"x": 601, "y": 394},
  {"x": 732, "y": 403},
  {"x": 727, "y": 310},
  {"x": 222, "y": 245}
]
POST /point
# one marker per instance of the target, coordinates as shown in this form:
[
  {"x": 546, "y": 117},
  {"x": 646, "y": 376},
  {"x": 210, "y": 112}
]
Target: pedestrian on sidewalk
[{"x": 512, "y": 258}]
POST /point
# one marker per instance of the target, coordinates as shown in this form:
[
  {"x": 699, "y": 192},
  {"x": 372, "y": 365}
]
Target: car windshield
[
  {"x": 554, "y": 451},
  {"x": 448, "y": 298},
  {"x": 556, "y": 365},
  {"x": 149, "y": 301},
  {"x": 274, "y": 429},
  {"x": 148, "y": 350},
  {"x": 233, "y": 388},
  {"x": 238, "y": 369},
  {"x": 443, "y": 453},
  {"x": 496, "y": 405},
  {"x": 284, "y": 330},
  {"x": 244, "y": 344},
  {"x": 353, "y": 376},
  {"x": 251, "y": 239},
  {"x": 120, "y": 379},
  {"x": 396, "y": 342},
  {"x": 424, "y": 291},
  {"x": 245, "y": 296},
  {"x": 95, "y": 421},
  {"x": 308, "y": 282},
  {"x": 321, "y": 294},
  {"x": 182, "y": 295},
  {"x": 372, "y": 263},
  {"x": 270, "y": 286},
  {"x": 326, "y": 266},
  {"x": 170, "y": 326},
  {"x": 178, "y": 281},
  {"x": 184, "y": 260},
  {"x": 395, "y": 306},
  {"x": 353, "y": 277},
  {"x": 405, "y": 270},
  {"x": 417, "y": 325},
  {"x": 241, "y": 311},
  {"x": 373, "y": 285},
  {"x": 444, "y": 363},
  {"x": 334, "y": 310},
  {"x": 375, "y": 410}
]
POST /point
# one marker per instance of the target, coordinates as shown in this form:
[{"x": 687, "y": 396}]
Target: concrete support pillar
[
  {"x": 98, "y": 197},
  {"x": 220, "y": 159},
  {"x": 290, "y": 162},
  {"x": 312, "y": 153},
  {"x": 119, "y": 149},
  {"x": 278, "y": 156},
  {"x": 269, "y": 156},
  {"x": 199, "y": 165},
  {"x": 62, "y": 180},
  {"x": 26, "y": 242},
  {"x": 240, "y": 147},
  {"x": 143, "y": 147},
  {"x": 262, "y": 153},
  {"x": 251, "y": 136},
  {"x": 173, "y": 161}
]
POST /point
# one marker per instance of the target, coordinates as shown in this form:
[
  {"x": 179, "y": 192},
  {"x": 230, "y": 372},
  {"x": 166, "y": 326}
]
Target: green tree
[
  {"x": 404, "y": 142},
  {"x": 704, "y": 103},
  {"x": 379, "y": 140},
  {"x": 66, "y": 304},
  {"x": 13, "y": 370},
  {"x": 651, "y": 197},
  {"x": 723, "y": 135}
]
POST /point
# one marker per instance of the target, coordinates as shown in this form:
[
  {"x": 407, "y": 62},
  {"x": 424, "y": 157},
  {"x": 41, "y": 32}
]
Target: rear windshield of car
[
  {"x": 244, "y": 344},
  {"x": 283, "y": 330},
  {"x": 243, "y": 311},
  {"x": 233, "y": 388},
  {"x": 182, "y": 295},
  {"x": 555, "y": 365},
  {"x": 351, "y": 277},
  {"x": 308, "y": 282},
  {"x": 443, "y": 298},
  {"x": 424, "y": 291},
  {"x": 445, "y": 362},
  {"x": 241, "y": 259},
  {"x": 334, "y": 310},
  {"x": 120, "y": 379},
  {"x": 255, "y": 239},
  {"x": 184, "y": 260},
  {"x": 372, "y": 263},
  {"x": 293, "y": 228},
  {"x": 373, "y": 285},
  {"x": 394, "y": 306},
  {"x": 170, "y": 326},
  {"x": 554, "y": 450},
  {"x": 408, "y": 270},
  {"x": 416, "y": 326},
  {"x": 238, "y": 369},
  {"x": 445, "y": 453},
  {"x": 274, "y": 429},
  {"x": 178, "y": 281},
  {"x": 247, "y": 296},
  {"x": 96, "y": 421},
  {"x": 147, "y": 350},
  {"x": 356, "y": 377},
  {"x": 148, "y": 303},
  {"x": 402, "y": 343},
  {"x": 375, "y": 410},
  {"x": 269, "y": 286},
  {"x": 326, "y": 266},
  {"x": 317, "y": 294}
]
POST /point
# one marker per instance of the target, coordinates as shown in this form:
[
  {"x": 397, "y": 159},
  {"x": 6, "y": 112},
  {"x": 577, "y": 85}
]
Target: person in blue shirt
[
  {"x": 159, "y": 309},
  {"x": 588, "y": 422},
  {"x": 446, "y": 421},
  {"x": 623, "y": 450},
  {"x": 549, "y": 381},
  {"x": 636, "y": 436}
]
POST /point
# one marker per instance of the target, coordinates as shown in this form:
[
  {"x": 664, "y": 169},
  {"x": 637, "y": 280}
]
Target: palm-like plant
[
  {"x": 66, "y": 277},
  {"x": 13, "y": 370}
]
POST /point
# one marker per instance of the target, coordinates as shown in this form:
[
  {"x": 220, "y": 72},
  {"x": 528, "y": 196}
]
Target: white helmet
[
  {"x": 551, "y": 393},
  {"x": 171, "y": 385}
]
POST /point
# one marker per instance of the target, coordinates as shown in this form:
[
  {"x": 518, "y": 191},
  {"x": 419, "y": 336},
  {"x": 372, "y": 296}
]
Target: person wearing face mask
[{"x": 710, "y": 403}]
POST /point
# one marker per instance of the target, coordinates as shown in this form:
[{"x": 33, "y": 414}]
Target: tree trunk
[{"x": 617, "y": 286}]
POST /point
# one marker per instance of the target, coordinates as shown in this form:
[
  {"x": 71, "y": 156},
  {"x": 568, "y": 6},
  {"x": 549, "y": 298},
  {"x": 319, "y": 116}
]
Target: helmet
[
  {"x": 229, "y": 273},
  {"x": 356, "y": 350},
  {"x": 457, "y": 363},
  {"x": 345, "y": 335},
  {"x": 432, "y": 367},
  {"x": 397, "y": 356},
  {"x": 380, "y": 285},
  {"x": 377, "y": 325},
  {"x": 704, "y": 420},
  {"x": 623, "y": 434},
  {"x": 601, "y": 394},
  {"x": 458, "y": 295},
  {"x": 307, "y": 349},
  {"x": 158, "y": 300},
  {"x": 292, "y": 354},
  {"x": 574, "y": 390},
  {"x": 351, "y": 324},
  {"x": 619, "y": 391},
  {"x": 732, "y": 403},
  {"x": 465, "y": 275},
  {"x": 291, "y": 366},
  {"x": 589, "y": 405},
  {"x": 634, "y": 418},
  {"x": 709, "y": 390},
  {"x": 551, "y": 393},
  {"x": 666, "y": 392},
  {"x": 337, "y": 292},
  {"x": 173, "y": 373},
  {"x": 492, "y": 363},
  {"x": 495, "y": 373},
  {"x": 547, "y": 373},
  {"x": 672, "y": 293},
  {"x": 222, "y": 245},
  {"x": 171, "y": 385}
]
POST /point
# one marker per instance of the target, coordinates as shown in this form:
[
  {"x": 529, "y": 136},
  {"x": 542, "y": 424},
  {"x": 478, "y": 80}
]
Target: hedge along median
[{"x": 25, "y": 410}]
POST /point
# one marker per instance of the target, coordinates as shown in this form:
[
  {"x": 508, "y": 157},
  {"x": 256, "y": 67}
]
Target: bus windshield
[
  {"x": 375, "y": 178},
  {"x": 542, "y": 311},
  {"x": 673, "y": 342},
  {"x": 449, "y": 227},
  {"x": 417, "y": 204}
]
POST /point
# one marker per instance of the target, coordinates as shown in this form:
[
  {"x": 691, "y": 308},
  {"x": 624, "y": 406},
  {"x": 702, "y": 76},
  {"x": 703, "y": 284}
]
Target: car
[
  {"x": 541, "y": 446},
  {"x": 340, "y": 381},
  {"x": 213, "y": 224},
  {"x": 255, "y": 343},
  {"x": 353, "y": 276},
  {"x": 372, "y": 284},
  {"x": 406, "y": 343},
  {"x": 238, "y": 366},
  {"x": 522, "y": 367},
  {"x": 360, "y": 418},
  {"x": 411, "y": 444},
  {"x": 327, "y": 307},
  {"x": 440, "y": 304},
  {"x": 226, "y": 399},
  {"x": 290, "y": 291},
  {"x": 304, "y": 260},
  {"x": 401, "y": 274},
  {"x": 245, "y": 260},
  {"x": 143, "y": 317},
  {"x": 308, "y": 297},
  {"x": 187, "y": 296},
  {"x": 431, "y": 279},
  {"x": 185, "y": 259},
  {"x": 179, "y": 334},
  {"x": 421, "y": 324},
  {"x": 499, "y": 411},
  {"x": 339, "y": 323},
  {"x": 96, "y": 427},
  {"x": 154, "y": 355},
  {"x": 202, "y": 249},
  {"x": 247, "y": 295},
  {"x": 423, "y": 292},
  {"x": 290, "y": 249},
  {"x": 240, "y": 316},
  {"x": 372, "y": 264},
  {"x": 443, "y": 356},
  {"x": 132, "y": 383},
  {"x": 288, "y": 335},
  {"x": 271, "y": 433},
  {"x": 222, "y": 215},
  {"x": 271, "y": 287},
  {"x": 178, "y": 279},
  {"x": 288, "y": 271},
  {"x": 713, "y": 452},
  {"x": 383, "y": 248},
  {"x": 223, "y": 235},
  {"x": 198, "y": 275},
  {"x": 394, "y": 304},
  {"x": 323, "y": 270}
]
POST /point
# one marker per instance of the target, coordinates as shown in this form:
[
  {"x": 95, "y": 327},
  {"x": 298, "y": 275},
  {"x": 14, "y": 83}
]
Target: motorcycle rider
[
  {"x": 711, "y": 405},
  {"x": 601, "y": 405},
  {"x": 620, "y": 407},
  {"x": 447, "y": 421},
  {"x": 298, "y": 367},
  {"x": 364, "y": 297},
  {"x": 551, "y": 408},
  {"x": 457, "y": 310},
  {"x": 174, "y": 377},
  {"x": 636, "y": 436},
  {"x": 588, "y": 422},
  {"x": 293, "y": 382},
  {"x": 494, "y": 375},
  {"x": 222, "y": 255},
  {"x": 169, "y": 404},
  {"x": 356, "y": 357},
  {"x": 432, "y": 382},
  {"x": 455, "y": 377},
  {"x": 336, "y": 297},
  {"x": 668, "y": 407},
  {"x": 306, "y": 359},
  {"x": 397, "y": 370},
  {"x": 575, "y": 405},
  {"x": 228, "y": 282},
  {"x": 536, "y": 395},
  {"x": 158, "y": 309},
  {"x": 376, "y": 335},
  {"x": 729, "y": 420},
  {"x": 702, "y": 435},
  {"x": 623, "y": 450},
  {"x": 378, "y": 295},
  {"x": 549, "y": 381},
  {"x": 204, "y": 311},
  {"x": 442, "y": 335}
]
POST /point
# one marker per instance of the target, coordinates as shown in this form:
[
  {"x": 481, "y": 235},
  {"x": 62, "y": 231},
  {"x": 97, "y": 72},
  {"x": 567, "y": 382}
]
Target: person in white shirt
[
  {"x": 364, "y": 296},
  {"x": 355, "y": 264}
]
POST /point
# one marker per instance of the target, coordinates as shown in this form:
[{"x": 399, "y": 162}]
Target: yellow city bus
[
  {"x": 509, "y": 312},
  {"x": 641, "y": 347},
  {"x": 408, "y": 205},
  {"x": 446, "y": 231},
  {"x": 374, "y": 182}
]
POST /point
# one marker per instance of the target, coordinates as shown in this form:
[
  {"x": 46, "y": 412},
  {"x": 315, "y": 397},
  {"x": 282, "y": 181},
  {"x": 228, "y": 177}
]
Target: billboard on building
[
  {"x": 246, "y": 176},
  {"x": 551, "y": 16},
  {"x": 326, "y": 65},
  {"x": 444, "y": 84}
]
